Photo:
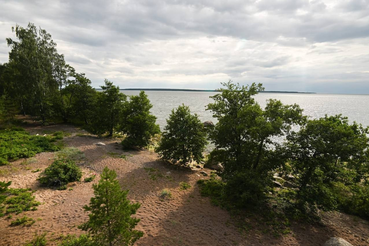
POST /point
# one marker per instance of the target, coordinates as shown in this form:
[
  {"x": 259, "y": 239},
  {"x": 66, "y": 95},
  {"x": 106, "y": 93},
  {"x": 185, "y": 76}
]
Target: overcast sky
[{"x": 294, "y": 45}]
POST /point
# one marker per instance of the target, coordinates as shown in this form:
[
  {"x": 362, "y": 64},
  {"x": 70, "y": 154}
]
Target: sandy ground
[{"x": 185, "y": 219}]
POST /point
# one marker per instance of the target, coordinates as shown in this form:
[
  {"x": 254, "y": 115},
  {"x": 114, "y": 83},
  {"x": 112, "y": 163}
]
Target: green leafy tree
[
  {"x": 327, "y": 152},
  {"x": 79, "y": 100},
  {"x": 137, "y": 122},
  {"x": 184, "y": 137},
  {"x": 110, "y": 222},
  {"x": 245, "y": 139},
  {"x": 109, "y": 106},
  {"x": 35, "y": 72}
]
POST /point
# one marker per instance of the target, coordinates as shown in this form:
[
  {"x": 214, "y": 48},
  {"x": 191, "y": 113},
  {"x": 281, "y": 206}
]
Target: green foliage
[
  {"x": 165, "y": 194},
  {"x": 358, "y": 203},
  {"x": 24, "y": 221},
  {"x": 17, "y": 143},
  {"x": 324, "y": 153},
  {"x": 60, "y": 173},
  {"x": 4, "y": 186},
  {"x": 245, "y": 139},
  {"x": 16, "y": 200},
  {"x": 110, "y": 221},
  {"x": 90, "y": 179},
  {"x": 184, "y": 185},
  {"x": 184, "y": 137},
  {"x": 137, "y": 123},
  {"x": 35, "y": 72},
  {"x": 108, "y": 110},
  {"x": 213, "y": 188},
  {"x": 38, "y": 240},
  {"x": 73, "y": 240}
]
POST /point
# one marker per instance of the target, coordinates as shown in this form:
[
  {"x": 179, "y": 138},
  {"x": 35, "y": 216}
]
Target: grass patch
[
  {"x": 16, "y": 143},
  {"x": 24, "y": 221},
  {"x": 36, "y": 170},
  {"x": 184, "y": 185},
  {"x": 38, "y": 240},
  {"x": 165, "y": 194},
  {"x": 29, "y": 161},
  {"x": 71, "y": 153},
  {"x": 117, "y": 155},
  {"x": 90, "y": 179},
  {"x": 73, "y": 240},
  {"x": 153, "y": 173}
]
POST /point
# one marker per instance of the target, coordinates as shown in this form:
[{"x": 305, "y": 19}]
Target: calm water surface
[{"x": 355, "y": 107}]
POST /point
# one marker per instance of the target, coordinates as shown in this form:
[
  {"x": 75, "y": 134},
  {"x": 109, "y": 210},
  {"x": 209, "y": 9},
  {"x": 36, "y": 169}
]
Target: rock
[
  {"x": 217, "y": 167},
  {"x": 208, "y": 124},
  {"x": 100, "y": 144},
  {"x": 204, "y": 173},
  {"x": 337, "y": 241}
]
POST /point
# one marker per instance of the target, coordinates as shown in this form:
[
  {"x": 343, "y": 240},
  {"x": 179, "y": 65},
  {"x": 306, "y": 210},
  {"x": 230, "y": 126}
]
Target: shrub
[
  {"x": 90, "y": 179},
  {"x": 73, "y": 240},
  {"x": 24, "y": 221},
  {"x": 38, "y": 240},
  {"x": 184, "y": 185},
  {"x": 60, "y": 173},
  {"x": 165, "y": 193},
  {"x": 110, "y": 221},
  {"x": 184, "y": 137}
]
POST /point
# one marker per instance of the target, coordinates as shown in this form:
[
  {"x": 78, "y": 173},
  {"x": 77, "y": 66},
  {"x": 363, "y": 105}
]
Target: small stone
[{"x": 100, "y": 144}]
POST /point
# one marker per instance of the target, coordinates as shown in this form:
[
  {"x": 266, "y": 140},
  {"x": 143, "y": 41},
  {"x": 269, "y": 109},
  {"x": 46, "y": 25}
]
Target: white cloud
[{"x": 293, "y": 44}]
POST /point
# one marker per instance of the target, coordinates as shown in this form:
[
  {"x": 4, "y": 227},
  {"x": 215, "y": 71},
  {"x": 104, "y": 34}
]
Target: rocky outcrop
[{"x": 337, "y": 241}]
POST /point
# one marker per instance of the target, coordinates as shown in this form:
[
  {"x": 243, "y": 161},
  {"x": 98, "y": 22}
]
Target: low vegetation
[
  {"x": 60, "y": 173},
  {"x": 16, "y": 143},
  {"x": 24, "y": 221}
]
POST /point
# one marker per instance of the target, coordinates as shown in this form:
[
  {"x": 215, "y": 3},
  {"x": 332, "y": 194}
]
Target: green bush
[
  {"x": 73, "y": 240},
  {"x": 16, "y": 143},
  {"x": 184, "y": 137},
  {"x": 358, "y": 203},
  {"x": 60, "y": 173},
  {"x": 184, "y": 185},
  {"x": 38, "y": 240},
  {"x": 24, "y": 221}
]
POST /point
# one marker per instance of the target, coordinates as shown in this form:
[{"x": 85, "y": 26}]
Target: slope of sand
[{"x": 185, "y": 219}]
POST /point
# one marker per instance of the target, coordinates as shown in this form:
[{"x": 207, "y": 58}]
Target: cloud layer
[{"x": 298, "y": 45}]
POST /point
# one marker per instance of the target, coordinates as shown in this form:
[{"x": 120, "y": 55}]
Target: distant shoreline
[{"x": 199, "y": 90}]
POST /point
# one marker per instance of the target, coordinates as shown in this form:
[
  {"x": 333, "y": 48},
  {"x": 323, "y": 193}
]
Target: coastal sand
[{"x": 185, "y": 219}]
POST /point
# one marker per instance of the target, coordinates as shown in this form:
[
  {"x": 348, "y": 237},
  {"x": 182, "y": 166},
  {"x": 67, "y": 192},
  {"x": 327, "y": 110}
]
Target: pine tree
[{"x": 110, "y": 221}]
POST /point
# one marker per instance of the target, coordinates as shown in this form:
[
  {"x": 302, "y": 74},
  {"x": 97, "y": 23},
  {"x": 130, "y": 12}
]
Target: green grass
[
  {"x": 184, "y": 185},
  {"x": 117, "y": 155},
  {"x": 153, "y": 173},
  {"x": 71, "y": 153},
  {"x": 16, "y": 143},
  {"x": 24, "y": 221},
  {"x": 165, "y": 194},
  {"x": 38, "y": 240},
  {"x": 90, "y": 179}
]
